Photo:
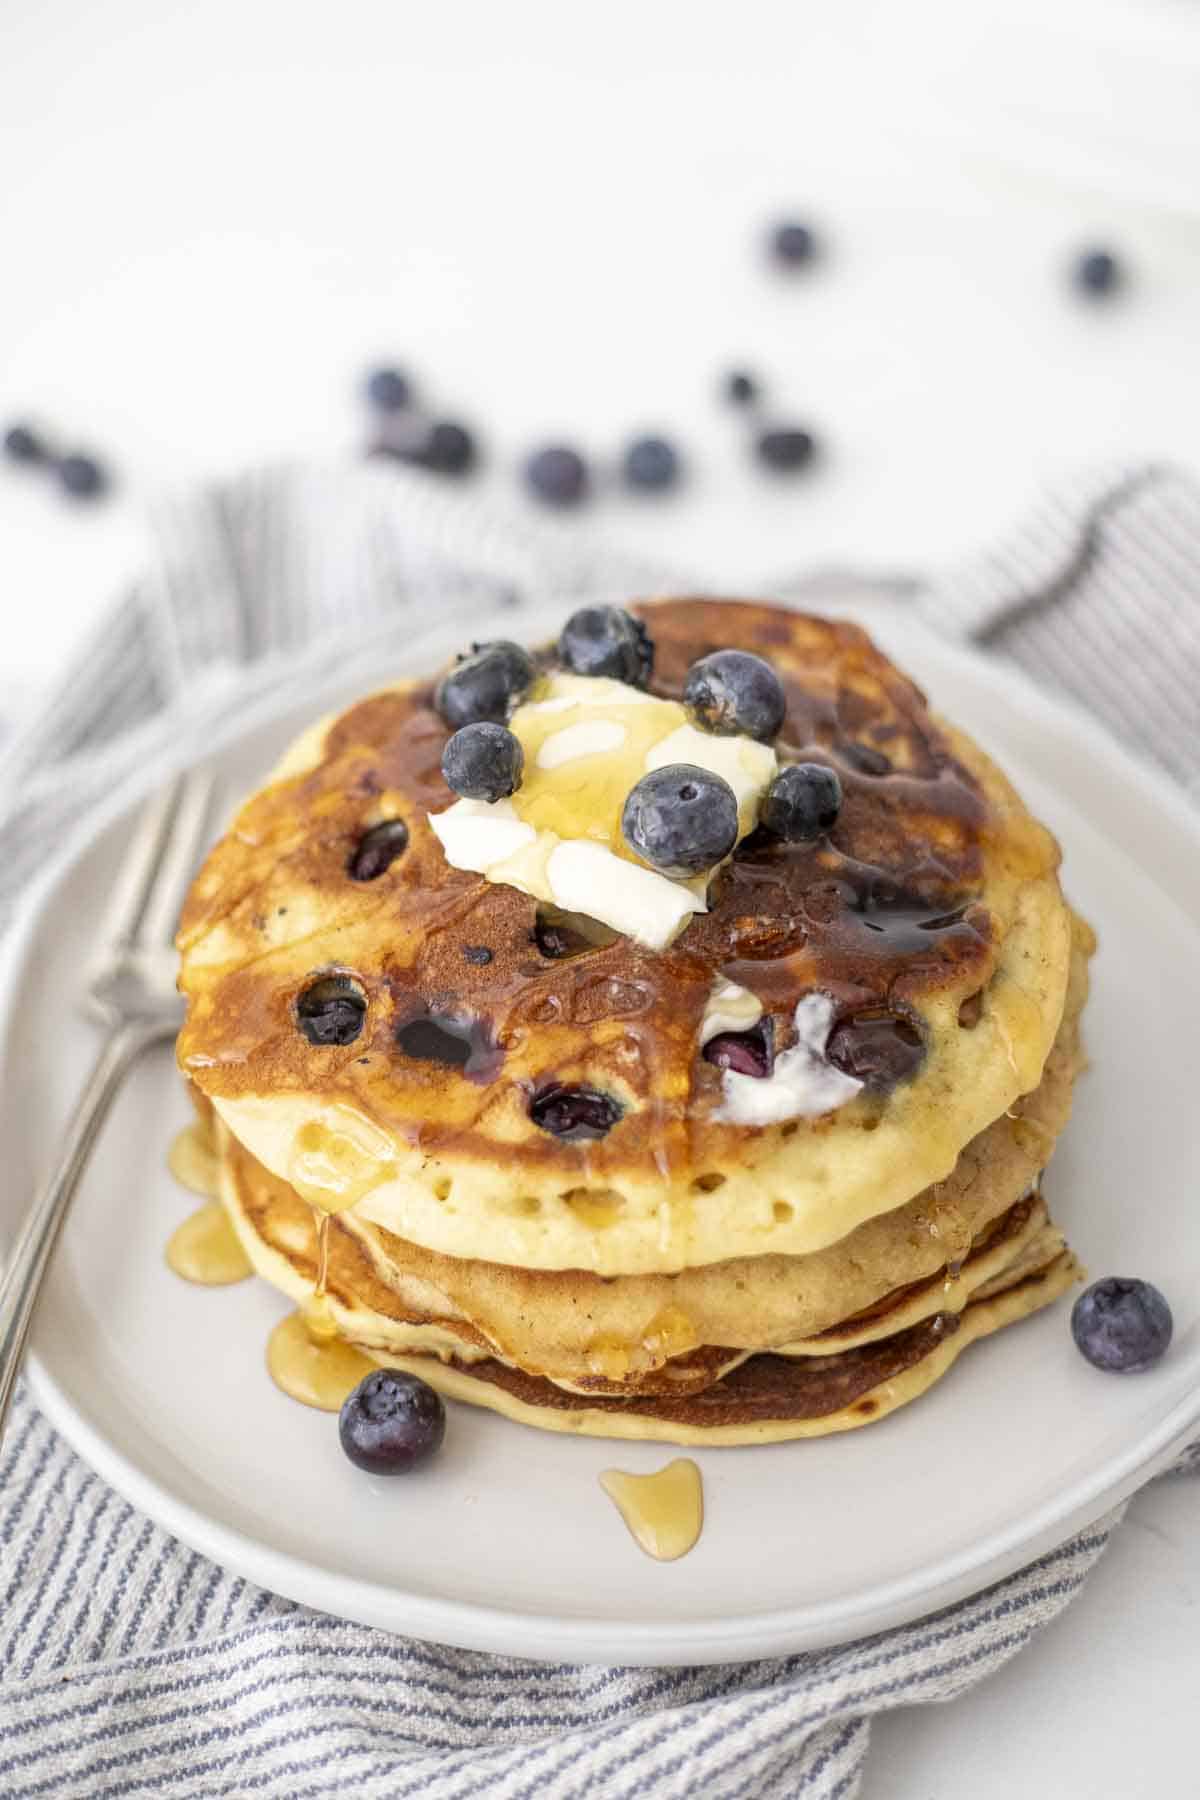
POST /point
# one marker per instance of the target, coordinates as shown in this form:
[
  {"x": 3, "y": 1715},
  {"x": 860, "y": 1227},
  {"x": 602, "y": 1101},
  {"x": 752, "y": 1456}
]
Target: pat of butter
[
  {"x": 729, "y": 1008},
  {"x": 475, "y": 835},
  {"x": 802, "y": 1084},
  {"x": 588, "y": 741}
]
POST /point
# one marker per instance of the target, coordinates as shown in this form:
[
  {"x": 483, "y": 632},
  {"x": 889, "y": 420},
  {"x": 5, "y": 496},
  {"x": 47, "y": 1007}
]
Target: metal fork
[{"x": 132, "y": 994}]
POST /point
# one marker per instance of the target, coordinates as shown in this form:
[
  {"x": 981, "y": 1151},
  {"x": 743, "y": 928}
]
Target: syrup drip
[
  {"x": 664, "y": 1511},
  {"x": 319, "y": 1370},
  {"x": 192, "y": 1160},
  {"x": 205, "y": 1249}
]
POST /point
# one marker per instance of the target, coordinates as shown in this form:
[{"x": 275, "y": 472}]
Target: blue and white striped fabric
[{"x": 131, "y": 1666}]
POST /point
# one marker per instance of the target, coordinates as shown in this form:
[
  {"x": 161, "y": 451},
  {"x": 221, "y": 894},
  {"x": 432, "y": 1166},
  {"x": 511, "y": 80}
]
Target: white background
[{"x": 213, "y": 217}]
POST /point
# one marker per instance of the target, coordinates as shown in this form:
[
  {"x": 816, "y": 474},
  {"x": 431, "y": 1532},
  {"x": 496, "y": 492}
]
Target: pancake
[
  {"x": 932, "y": 913},
  {"x": 573, "y": 1326},
  {"x": 767, "y": 1399}
]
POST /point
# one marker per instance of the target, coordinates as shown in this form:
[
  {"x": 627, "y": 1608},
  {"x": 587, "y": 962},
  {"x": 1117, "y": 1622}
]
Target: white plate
[{"x": 507, "y": 1543}]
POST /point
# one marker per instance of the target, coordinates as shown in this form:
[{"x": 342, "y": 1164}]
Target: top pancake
[{"x": 935, "y": 899}]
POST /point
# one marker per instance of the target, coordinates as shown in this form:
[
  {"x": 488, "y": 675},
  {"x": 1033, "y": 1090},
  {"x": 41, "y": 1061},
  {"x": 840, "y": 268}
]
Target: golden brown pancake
[{"x": 932, "y": 917}]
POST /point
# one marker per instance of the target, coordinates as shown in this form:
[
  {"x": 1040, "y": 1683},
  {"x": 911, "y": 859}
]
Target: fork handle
[{"x": 32, "y": 1250}]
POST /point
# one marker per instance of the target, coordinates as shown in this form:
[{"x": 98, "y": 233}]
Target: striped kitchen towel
[{"x": 131, "y": 1666}]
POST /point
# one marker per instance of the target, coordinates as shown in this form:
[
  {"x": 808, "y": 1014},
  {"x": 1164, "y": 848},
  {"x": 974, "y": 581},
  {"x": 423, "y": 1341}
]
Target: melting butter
[
  {"x": 664, "y": 1511},
  {"x": 319, "y": 1372},
  {"x": 332, "y": 1165},
  {"x": 192, "y": 1160},
  {"x": 205, "y": 1249}
]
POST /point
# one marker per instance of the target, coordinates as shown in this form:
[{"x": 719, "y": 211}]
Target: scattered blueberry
[
  {"x": 802, "y": 802},
  {"x": 486, "y": 684},
  {"x": 377, "y": 849},
  {"x": 792, "y": 244},
  {"x": 785, "y": 448},
  {"x": 483, "y": 762},
  {"x": 880, "y": 1049},
  {"x": 22, "y": 444},
  {"x": 575, "y": 1114},
  {"x": 651, "y": 465},
  {"x": 558, "y": 475},
  {"x": 1121, "y": 1324},
  {"x": 740, "y": 389},
  {"x": 391, "y": 1423},
  {"x": 607, "y": 640},
  {"x": 388, "y": 390},
  {"x": 681, "y": 818},
  {"x": 1097, "y": 272},
  {"x": 479, "y": 954},
  {"x": 448, "y": 450},
  {"x": 81, "y": 476},
  {"x": 331, "y": 1010},
  {"x": 734, "y": 691},
  {"x": 743, "y": 1052}
]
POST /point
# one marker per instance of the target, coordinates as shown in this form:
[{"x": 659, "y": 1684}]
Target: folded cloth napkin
[{"x": 130, "y": 1665}]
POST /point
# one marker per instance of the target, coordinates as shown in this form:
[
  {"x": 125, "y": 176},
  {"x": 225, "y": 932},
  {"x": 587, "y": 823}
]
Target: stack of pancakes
[{"x": 677, "y": 1275}]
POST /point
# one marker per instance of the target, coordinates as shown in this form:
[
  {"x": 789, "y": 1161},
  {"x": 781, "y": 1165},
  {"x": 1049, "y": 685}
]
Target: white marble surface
[{"x": 213, "y": 217}]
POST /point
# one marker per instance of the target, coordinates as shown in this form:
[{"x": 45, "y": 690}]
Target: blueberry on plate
[
  {"x": 792, "y": 244},
  {"x": 651, "y": 465},
  {"x": 558, "y": 475},
  {"x": 22, "y": 444},
  {"x": 802, "y": 802},
  {"x": 734, "y": 691},
  {"x": 485, "y": 684},
  {"x": 785, "y": 448},
  {"x": 81, "y": 476},
  {"x": 681, "y": 818},
  {"x": 392, "y": 1422},
  {"x": 607, "y": 640},
  {"x": 1097, "y": 273},
  {"x": 388, "y": 390},
  {"x": 483, "y": 762},
  {"x": 1121, "y": 1324}
]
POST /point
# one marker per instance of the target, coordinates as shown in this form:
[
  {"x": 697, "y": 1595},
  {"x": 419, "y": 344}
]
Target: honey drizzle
[
  {"x": 192, "y": 1160},
  {"x": 205, "y": 1249},
  {"x": 664, "y": 1511},
  {"x": 316, "y": 1369}
]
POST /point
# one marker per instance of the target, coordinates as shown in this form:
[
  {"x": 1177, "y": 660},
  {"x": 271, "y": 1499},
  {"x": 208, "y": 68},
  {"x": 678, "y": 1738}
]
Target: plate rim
[{"x": 577, "y": 1637}]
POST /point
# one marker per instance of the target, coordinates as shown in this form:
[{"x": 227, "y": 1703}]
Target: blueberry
[
  {"x": 81, "y": 476},
  {"x": 391, "y": 1423},
  {"x": 785, "y": 448},
  {"x": 1121, "y": 1325},
  {"x": 377, "y": 849},
  {"x": 739, "y": 388},
  {"x": 607, "y": 640},
  {"x": 449, "y": 449},
  {"x": 802, "y": 802},
  {"x": 574, "y": 1114},
  {"x": 651, "y": 465},
  {"x": 743, "y": 1052},
  {"x": 486, "y": 684},
  {"x": 558, "y": 475},
  {"x": 792, "y": 243},
  {"x": 388, "y": 390},
  {"x": 880, "y": 1049},
  {"x": 22, "y": 444},
  {"x": 331, "y": 1010},
  {"x": 1097, "y": 272},
  {"x": 681, "y": 818},
  {"x": 734, "y": 691},
  {"x": 483, "y": 762}
]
